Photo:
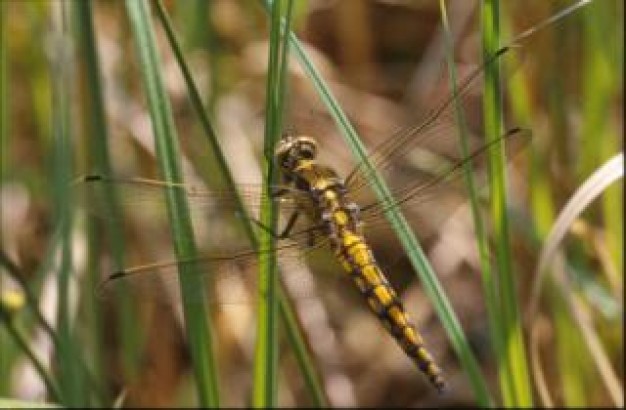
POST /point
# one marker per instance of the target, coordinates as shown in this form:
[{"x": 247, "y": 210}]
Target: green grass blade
[
  {"x": 398, "y": 222},
  {"x": 287, "y": 316},
  {"x": 198, "y": 31},
  {"x": 541, "y": 202},
  {"x": 70, "y": 374},
  {"x": 265, "y": 387},
  {"x": 168, "y": 157},
  {"x": 99, "y": 162},
  {"x": 543, "y": 209},
  {"x": 85, "y": 35},
  {"x": 488, "y": 280},
  {"x": 514, "y": 378},
  {"x": 196, "y": 102},
  {"x": 266, "y": 357}
]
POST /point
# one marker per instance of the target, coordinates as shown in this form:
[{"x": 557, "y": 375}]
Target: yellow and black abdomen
[
  {"x": 358, "y": 261},
  {"x": 296, "y": 156}
]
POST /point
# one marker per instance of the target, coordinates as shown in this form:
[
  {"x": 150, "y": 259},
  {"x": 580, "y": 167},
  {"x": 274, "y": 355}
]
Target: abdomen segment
[{"x": 357, "y": 259}]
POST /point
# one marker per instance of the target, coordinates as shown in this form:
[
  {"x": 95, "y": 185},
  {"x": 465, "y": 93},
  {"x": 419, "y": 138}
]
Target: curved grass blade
[
  {"x": 595, "y": 185},
  {"x": 591, "y": 189}
]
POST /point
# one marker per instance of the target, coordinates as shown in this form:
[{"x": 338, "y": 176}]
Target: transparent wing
[
  {"x": 213, "y": 212},
  {"x": 148, "y": 196},
  {"x": 228, "y": 278},
  {"x": 436, "y": 132},
  {"x": 444, "y": 184}
]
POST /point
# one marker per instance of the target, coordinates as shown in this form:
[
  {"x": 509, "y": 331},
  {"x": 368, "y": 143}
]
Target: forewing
[
  {"x": 147, "y": 197},
  {"x": 436, "y": 132},
  {"x": 433, "y": 196}
]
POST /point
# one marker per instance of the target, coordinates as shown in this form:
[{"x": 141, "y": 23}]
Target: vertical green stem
[
  {"x": 68, "y": 352},
  {"x": 514, "y": 380},
  {"x": 195, "y": 309},
  {"x": 97, "y": 128},
  {"x": 266, "y": 357},
  {"x": 482, "y": 240}
]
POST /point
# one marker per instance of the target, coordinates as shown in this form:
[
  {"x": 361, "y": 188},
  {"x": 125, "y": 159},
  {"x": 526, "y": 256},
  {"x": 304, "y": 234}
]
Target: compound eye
[{"x": 308, "y": 151}]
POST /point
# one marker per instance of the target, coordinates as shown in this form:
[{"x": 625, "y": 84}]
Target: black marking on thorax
[
  {"x": 326, "y": 196},
  {"x": 315, "y": 179}
]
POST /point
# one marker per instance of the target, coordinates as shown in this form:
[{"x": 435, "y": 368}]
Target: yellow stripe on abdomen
[{"x": 358, "y": 261}]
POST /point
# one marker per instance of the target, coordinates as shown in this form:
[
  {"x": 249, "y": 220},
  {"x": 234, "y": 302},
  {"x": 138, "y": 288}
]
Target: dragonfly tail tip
[{"x": 440, "y": 385}]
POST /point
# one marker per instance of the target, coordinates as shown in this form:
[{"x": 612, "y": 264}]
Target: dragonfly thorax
[{"x": 293, "y": 149}]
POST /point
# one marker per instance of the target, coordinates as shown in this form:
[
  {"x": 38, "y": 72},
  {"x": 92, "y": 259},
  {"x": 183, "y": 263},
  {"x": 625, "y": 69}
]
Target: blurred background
[{"x": 385, "y": 62}]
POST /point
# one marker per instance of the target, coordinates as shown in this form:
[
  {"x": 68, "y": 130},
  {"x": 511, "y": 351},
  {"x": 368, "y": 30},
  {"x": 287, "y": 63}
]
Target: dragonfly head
[{"x": 292, "y": 149}]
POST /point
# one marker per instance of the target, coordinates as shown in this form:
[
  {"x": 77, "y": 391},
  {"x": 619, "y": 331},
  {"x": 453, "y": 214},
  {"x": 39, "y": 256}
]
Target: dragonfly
[{"x": 324, "y": 210}]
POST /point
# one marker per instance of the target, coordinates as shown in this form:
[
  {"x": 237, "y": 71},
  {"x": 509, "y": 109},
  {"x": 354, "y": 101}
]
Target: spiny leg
[
  {"x": 286, "y": 231},
  {"x": 278, "y": 192}
]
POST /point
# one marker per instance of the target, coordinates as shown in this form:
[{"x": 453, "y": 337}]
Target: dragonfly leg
[
  {"x": 286, "y": 231},
  {"x": 290, "y": 224}
]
